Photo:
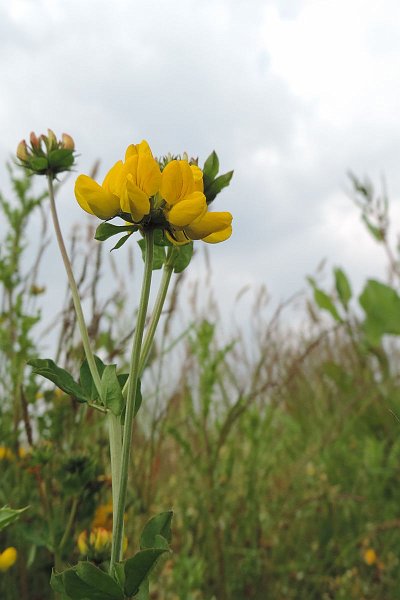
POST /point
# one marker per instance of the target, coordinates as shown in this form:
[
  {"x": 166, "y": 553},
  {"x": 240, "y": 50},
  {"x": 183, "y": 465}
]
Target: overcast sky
[{"x": 290, "y": 93}]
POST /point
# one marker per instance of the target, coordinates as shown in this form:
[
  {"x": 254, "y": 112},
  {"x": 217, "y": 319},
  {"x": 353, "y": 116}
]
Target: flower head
[
  {"x": 151, "y": 195},
  {"x": 46, "y": 155},
  {"x": 7, "y": 558}
]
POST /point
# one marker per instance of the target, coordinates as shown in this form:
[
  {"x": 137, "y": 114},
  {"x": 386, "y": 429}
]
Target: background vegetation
[{"x": 277, "y": 449}]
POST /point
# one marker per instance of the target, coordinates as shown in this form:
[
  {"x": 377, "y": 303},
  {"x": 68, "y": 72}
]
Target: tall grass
[{"x": 279, "y": 456}]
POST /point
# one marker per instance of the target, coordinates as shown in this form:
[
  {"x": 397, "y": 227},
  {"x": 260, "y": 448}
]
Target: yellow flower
[
  {"x": 103, "y": 516},
  {"x": 126, "y": 188},
  {"x": 6, "y": 453},
  {"x": 96, "y": 543},
  {"x": 7, "y": 558},
  {"x": 100, "y": 539},
  {"x": 370, "y": 556},
  {"x": 186, "y": 208},
  {"x": 82, "y": 543}
]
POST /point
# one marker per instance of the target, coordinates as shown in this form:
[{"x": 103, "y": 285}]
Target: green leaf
[
  {"x": 138, "y": 568},
  {"x": 99, "y": 580},
  {"x": 183, "y": 256},
  {"x": 121, "y": 242},
  {"x": 107, "y": 230},
  {"x": 86, "y": 379},
  {"x": 381, "y": 304},
  {"x": 9, "y": 515},
  {"x": 376, "y": 232},
  {"x": 211, "y": 166},
  {"x": 324, "y": 301},
  {"x": 111, "y": 390},
  {"x": 64, "y": 380},
  {"x": 214, "y": 187},
  {"x": 343, "y": 287},
  {"x": 158, "y": 254},
  {"x": 160, "y": 525},
  {"x": 160, "y": 239}
]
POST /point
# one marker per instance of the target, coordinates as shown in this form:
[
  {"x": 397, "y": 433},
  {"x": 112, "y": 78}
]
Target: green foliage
[
  {"x": 106, "y": 230},
  {"x": 381, "y": 304},
  {"x": 9, "y": 515},
  {"x": 213, "y": 185}
]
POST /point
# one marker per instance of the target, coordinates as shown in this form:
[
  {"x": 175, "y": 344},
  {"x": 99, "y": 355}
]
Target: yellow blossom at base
[
  {"x": 369, "y": 556},
  {"x": 103, "y": 517},
  {"x": 7, "y": 558},
  {"x": 6, "y": 453}
]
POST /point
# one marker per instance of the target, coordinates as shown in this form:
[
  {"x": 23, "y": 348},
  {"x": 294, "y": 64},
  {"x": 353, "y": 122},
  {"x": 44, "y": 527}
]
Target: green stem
[
  {"x": 156, "y": 314},
  {"x": 116, "y": 552},
  {"x": 115, "y": 427},
  {"x": 74, "y": 289},
  {"x": 70, "y": 523}
]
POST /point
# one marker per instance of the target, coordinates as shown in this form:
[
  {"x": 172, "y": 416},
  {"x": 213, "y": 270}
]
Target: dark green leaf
[
  {"x": 343, "y": 287},
  {"x": 61, "y": 158},
  {"x": 99, "y": 581},
  {"x": 138, "y": 568},
  {"x": 111, "y": 390},
  {"x": 121, "y": 242},
  {"x": 64, "y": 380},
  {"x": 160, "y": 525},
  {"x": 214, "y": 187},
  {"x": 160, "y": 239},
  {"x": 9, "y": 515},
  {"x": 138, "y": 398},
  {"x": 183, "y": 256},
  {"x": 211, "y": 166},
  {"x": 86, "y": 379},
  {"x": 381, "y": 304},
  {"x": 107, "y": 230},
  {"x": 158, "y": 254}
]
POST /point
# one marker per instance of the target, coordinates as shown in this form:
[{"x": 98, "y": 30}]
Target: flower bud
[
  {"x": 100, "y": 539},
  {"x": 7, "y": 558},
  {"x": 52, "y": 142},
  {"x": 67, "y": 142},
  {"x": 22, "y": 151},
  {"x": 82, "y": 543},
  {"x": 35, "y": 142}
]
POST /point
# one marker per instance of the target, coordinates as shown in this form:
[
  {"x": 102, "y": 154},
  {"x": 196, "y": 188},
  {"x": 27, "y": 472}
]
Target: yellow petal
[
  {"x": 188, "y": 210},
  {"x": 134, "y": 200},
  {"x": 135, "y": 149},
  {"x": 219, "y": 236},
  {"x": 176, "y": 181},
  {"x": 198, "y": 178},
  {"x": 178, "y": 239},
  {"x": 94, "y": 199},
  {"x": 210, "y": 223},
  {"x": 8, "y": 558},
  {"x": 148, "y": 174},
  {"x": 113, "y": 180}
]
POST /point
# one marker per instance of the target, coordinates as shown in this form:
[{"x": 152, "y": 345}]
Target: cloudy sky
[{"x": 290, "y": 93}]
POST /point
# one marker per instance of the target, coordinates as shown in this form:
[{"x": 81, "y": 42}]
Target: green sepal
[
  {"x": 160, "y": 238},
  {"x": 158, "y": 254},
  {"x": 47, "y": 368},
  {"x": 9, "y": 515},
  {"x": 60, "y": 159},
  {"x": 137, "y": 569},
  {"x": 158, "y": 526},
  {"x": 111, "y": 390},
  {"x": 182, "y": 257},
  {"x": 38, "y": 163},
  {"x": 107, "y": 230}
]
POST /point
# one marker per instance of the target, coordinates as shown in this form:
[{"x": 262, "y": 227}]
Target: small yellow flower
[
  {"x": 100, "y": 539},
  {"x": 370, "y": 557},
  {"x": 103, "y": 516},
  {"x": 82, "y": 543},
  {"x": 7, "y": 558},
  {"x": 6, "y": 453}
]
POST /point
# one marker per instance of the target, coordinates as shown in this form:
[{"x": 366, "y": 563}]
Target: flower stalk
[{"x": 116, "y": 552}]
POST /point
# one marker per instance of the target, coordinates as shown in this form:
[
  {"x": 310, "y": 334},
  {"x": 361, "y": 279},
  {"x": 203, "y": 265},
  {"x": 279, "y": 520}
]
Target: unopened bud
[
  {"x": 52, "y": 142},
  {"x": 22, "y": 151},
  {"x": 35, "y": 142},
  {"x": 67, "y": 142}
]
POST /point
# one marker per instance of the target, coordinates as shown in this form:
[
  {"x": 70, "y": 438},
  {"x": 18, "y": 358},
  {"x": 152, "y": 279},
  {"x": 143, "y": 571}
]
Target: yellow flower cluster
[
  {"x": 97, "y": 541},
  {"x": 171, "y": 199},
  {"x": 7, "y": 558}
]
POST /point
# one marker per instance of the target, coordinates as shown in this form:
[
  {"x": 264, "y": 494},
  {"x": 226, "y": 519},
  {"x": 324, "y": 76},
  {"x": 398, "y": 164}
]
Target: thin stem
[
  {"x": 131, "y": 399},
  {"x": 70, "y": 523},
  {"x": 74, "y": 290},
  {"x": 156, "y": 314},
  {"x": 115, "y": 427}
]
